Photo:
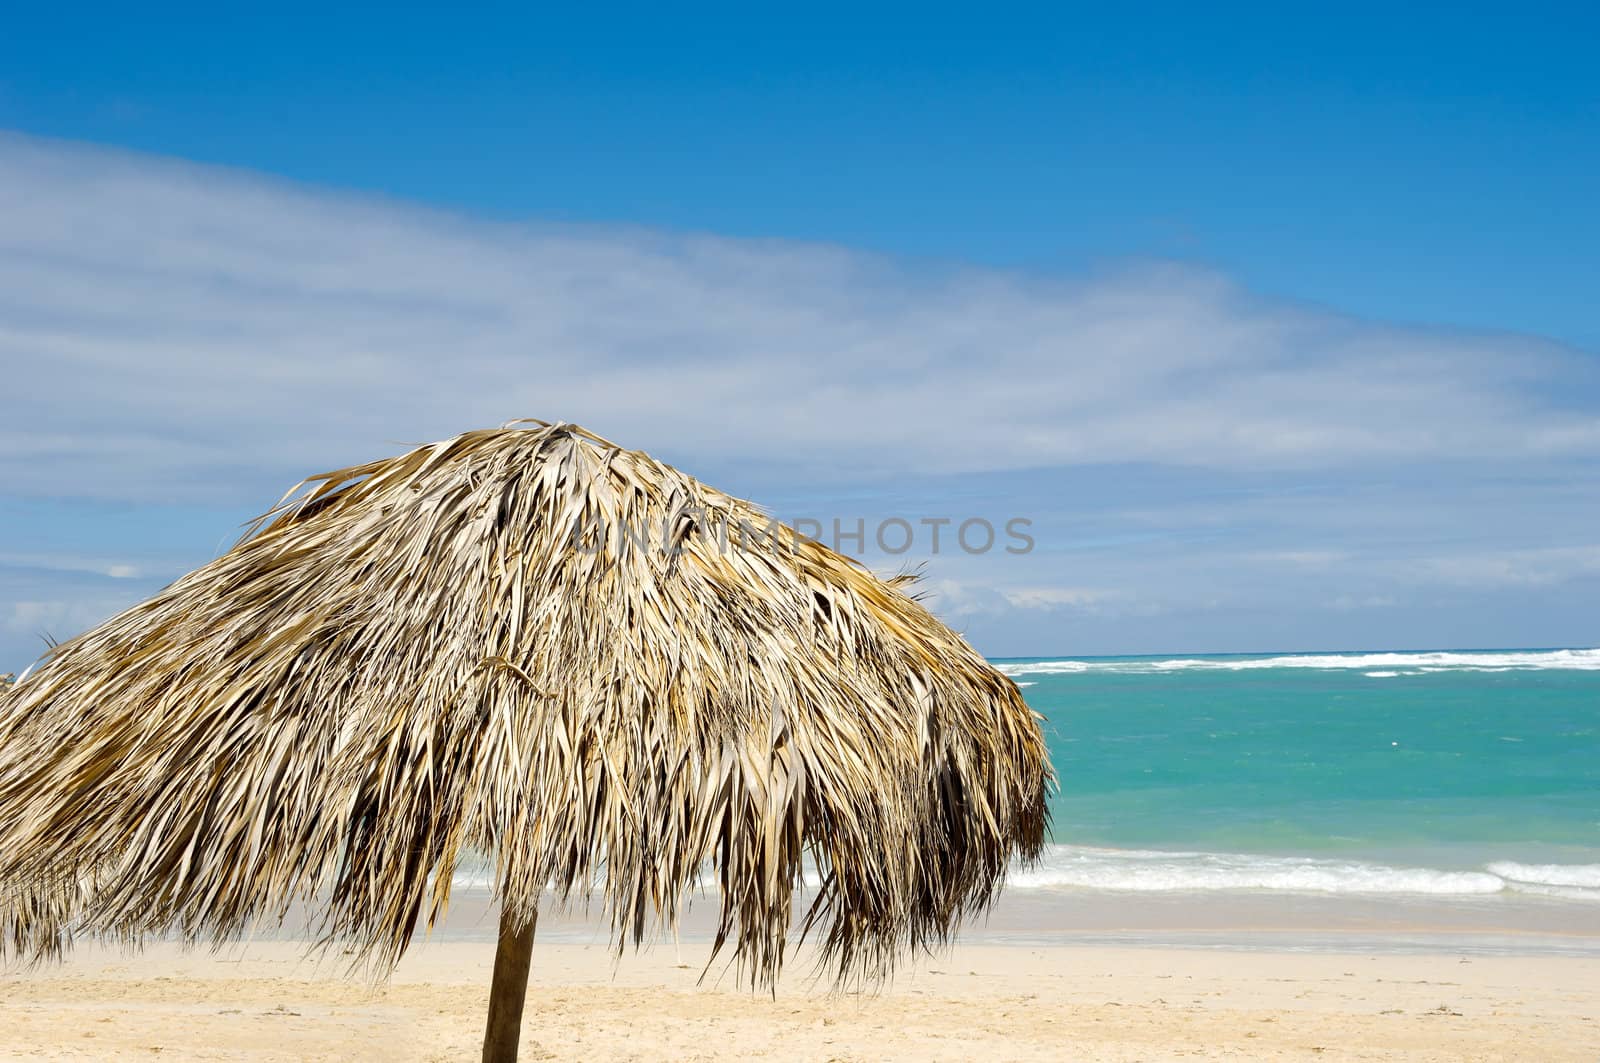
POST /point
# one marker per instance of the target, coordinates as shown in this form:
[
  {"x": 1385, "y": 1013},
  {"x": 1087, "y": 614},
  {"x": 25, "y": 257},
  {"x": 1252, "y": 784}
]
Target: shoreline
[{"x": 1240, "y": 921}]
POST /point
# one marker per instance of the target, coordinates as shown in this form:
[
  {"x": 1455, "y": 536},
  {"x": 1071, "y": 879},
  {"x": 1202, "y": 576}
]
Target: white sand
[{"x": 980, "y": 1002}]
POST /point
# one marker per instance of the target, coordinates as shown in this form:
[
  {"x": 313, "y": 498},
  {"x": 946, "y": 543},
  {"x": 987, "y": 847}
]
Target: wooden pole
[{"x": 512, "y": 958}]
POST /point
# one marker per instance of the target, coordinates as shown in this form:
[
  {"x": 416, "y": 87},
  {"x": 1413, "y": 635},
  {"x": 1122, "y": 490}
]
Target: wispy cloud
[
  {"x": 54, "y": 620},
  {"x": 1203, "y": 468},
  {"x": 1512, "y": 568},
  {"x": 1367, "y": 601},
  {"x": 1079, "y": 598},
  {"x": 1303, "y": 558},
  {"x": 169, "y": 330},
  {"x": 981, "y": 598},
  {"x": 100, "y": 566}
]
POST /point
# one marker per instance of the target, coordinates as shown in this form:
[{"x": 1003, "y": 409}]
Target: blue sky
[{"x": 1279, "y": 327}]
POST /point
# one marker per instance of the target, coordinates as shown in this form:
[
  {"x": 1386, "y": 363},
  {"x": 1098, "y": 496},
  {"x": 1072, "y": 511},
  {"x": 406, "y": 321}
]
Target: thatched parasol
[{"x": 530, "y": 644}]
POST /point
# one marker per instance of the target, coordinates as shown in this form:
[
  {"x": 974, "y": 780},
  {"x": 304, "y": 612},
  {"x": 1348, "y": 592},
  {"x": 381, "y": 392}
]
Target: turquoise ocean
[
  {"x": 1445, "y": 774},
  {"x": 1378, "y": 801}
]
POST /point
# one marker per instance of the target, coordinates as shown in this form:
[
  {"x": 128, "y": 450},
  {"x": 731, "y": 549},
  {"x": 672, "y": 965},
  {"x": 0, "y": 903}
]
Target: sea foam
[
  {"x": 1065, "y": 867},
  {"x": 1377, "y": 665},
  {"x": 1088, "y": 868},
  {"x": 1584, "y": 875}
]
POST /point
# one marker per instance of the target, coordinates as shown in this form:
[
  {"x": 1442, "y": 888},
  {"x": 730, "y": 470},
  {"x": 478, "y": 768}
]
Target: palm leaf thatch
[{"x": 532, "y": 644}]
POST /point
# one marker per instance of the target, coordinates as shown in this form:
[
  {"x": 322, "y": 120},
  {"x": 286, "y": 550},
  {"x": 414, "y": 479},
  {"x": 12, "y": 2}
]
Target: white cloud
[
  {"x": 957, "y": 600},
  {"x": 170, "y": 330},
  {"x": 1511, "y": 568},
  {"x": 1058, "y": 597},
  {"x": 1303, "y": 558},
  {"x": 57, "y": 620},
  {"x": 172, "y": 333},
  {"x": 98, "y": 566},
  {"x": 1363, "y": 601},
  {"x": 967, "y": 598}
]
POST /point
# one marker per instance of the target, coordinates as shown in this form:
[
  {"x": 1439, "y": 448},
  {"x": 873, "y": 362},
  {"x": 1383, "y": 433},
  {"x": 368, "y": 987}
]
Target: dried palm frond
[{"x": 531, "y": 644}]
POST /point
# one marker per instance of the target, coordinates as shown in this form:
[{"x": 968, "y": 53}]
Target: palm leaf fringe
[{"x": 469, "y": 648}]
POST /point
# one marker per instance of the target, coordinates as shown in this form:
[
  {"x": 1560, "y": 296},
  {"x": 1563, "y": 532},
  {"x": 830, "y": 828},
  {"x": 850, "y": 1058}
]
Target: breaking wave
[
  {"x": 1152, "y": 871},
  {"x": 1375, "y": 665}
]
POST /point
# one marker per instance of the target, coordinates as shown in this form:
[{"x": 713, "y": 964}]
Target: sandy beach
[
  {"x": 266, "y": 1002},
  {"x": 563, "y": 534}
]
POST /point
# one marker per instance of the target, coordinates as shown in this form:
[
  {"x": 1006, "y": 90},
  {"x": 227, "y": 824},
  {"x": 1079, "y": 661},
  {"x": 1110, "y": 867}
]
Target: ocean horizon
[{"x": 1450, "y": 773}]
